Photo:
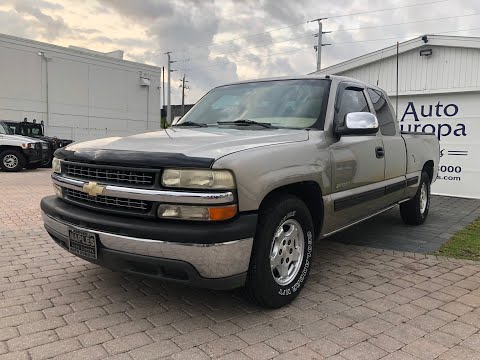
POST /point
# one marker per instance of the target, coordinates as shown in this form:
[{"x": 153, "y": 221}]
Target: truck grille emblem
[{"x": 93, "y": 189}]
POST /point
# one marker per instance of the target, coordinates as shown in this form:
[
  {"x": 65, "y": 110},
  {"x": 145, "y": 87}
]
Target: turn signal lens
[
  {"x": 58, "y": 190},
  {"x": 222, "y": 213},
  {"x": 183, "y": 212}
]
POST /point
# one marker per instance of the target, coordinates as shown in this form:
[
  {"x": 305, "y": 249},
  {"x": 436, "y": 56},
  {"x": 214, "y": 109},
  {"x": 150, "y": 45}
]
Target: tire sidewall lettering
[{"x": 291, "y": 289}]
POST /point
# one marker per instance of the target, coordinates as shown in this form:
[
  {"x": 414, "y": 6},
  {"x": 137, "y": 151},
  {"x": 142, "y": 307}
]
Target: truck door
[
  {"x": 358, "y": 164},
  {"x": 394, "y": 146}
]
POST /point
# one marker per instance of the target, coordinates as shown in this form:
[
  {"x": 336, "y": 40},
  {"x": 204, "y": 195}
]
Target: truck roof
[{"x": 334, "y": 78}]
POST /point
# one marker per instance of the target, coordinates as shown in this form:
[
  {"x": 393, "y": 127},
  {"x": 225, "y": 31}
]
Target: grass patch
[{"x": 463, "y": 245}]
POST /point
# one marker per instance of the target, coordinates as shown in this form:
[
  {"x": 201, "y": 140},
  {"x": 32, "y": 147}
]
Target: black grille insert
[
  {"x": 109, "y": 175},
  {"x": 109, "y": 202}
]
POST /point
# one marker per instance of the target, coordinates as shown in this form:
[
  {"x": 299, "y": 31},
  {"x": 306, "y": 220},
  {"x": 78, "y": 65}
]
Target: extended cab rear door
[
  {"x": 393, "y": 144},
  {"x": 358, "y": 164}
]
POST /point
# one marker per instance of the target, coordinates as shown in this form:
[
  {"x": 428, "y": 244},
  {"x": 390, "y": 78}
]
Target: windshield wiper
[
  {"x": 191, "y": 123},
  {"x": 245, "y": 122}
]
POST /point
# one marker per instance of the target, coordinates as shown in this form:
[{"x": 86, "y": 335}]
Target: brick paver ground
[
  {"x": 359, "y": 303},
  {"x": 447, "y": 216}
]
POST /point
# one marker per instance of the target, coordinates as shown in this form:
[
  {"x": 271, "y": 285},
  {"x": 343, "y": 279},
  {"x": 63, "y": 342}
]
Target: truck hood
[
  {"x": 22, "y": 139},
  {"x": 210, "y": 143}
]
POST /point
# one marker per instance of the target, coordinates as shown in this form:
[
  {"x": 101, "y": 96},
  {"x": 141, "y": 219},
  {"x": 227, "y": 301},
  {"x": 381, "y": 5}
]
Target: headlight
[
  {"x": 185, "y": 212},
  {"x": 57, "y": 165},
  {"x": 198, "y": 179}
]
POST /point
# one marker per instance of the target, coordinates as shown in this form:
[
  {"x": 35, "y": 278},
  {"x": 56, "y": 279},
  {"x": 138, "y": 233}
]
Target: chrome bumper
[{"x": 210, "y": 260}]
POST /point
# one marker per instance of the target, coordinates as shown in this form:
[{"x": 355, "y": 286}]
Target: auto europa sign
[{"x": 455, "y": 120}]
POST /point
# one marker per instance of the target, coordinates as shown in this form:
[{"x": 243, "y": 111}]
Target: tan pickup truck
[{"x": 236, "y": 193}]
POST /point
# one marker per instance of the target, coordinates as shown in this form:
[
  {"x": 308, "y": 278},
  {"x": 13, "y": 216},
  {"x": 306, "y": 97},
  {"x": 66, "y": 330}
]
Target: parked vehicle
[
  {"x": 236, "y": 193},
  {"x": 18, "y": 152},
  {"x": 37, "y": 130}
]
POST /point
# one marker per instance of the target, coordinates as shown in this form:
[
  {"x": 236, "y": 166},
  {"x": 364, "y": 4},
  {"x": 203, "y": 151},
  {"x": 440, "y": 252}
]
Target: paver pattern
[{"x": 359, "y": 303}]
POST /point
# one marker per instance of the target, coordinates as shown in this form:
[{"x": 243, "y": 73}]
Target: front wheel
[
  {"x": 11, "y": 161},
  {"x": 282, "y": 251},
  {"x": 415, "y": 210}
]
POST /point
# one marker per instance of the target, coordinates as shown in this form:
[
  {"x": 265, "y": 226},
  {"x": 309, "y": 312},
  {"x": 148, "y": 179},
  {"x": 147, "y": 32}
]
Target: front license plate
[{"x": 83, "y": 243}]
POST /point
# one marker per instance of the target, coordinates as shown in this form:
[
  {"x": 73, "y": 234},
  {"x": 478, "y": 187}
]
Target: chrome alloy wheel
[
  {"x": 286, "y": 254},
  {"x": 10, "y": 161},
  {"x": 423, "y": 198}
]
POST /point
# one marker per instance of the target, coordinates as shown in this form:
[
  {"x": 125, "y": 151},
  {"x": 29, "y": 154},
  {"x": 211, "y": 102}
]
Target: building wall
[
  {"x": 447, "y": 69},
  {"x": 437, "y": 94},
  {"x": 455, "y": 120},
  {"x": 89, "y": 96}
]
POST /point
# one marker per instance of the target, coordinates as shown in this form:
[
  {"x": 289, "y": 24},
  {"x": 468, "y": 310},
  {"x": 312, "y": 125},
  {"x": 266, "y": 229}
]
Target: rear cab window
[{"x": 385, "y": 117}]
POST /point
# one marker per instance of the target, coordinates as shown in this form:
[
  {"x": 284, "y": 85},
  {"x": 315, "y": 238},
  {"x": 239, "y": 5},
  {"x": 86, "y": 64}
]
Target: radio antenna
[{"x": 396, "y": 96}]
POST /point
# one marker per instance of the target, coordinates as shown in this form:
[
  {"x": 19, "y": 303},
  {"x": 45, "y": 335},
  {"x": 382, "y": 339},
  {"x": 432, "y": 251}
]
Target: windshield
[
  {"x": 4, "y": 129},
  {"x": 31, "y": 129},
  {"x": 282, "y": 103}
]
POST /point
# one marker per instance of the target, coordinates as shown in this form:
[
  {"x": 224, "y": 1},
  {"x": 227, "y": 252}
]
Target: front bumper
[
  {"x": 208, "y": 255},
  {"x": 33, "y": 155}
]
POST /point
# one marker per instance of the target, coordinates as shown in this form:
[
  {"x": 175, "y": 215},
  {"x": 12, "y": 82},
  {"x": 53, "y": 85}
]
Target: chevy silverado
[{"x": 235, "y": 194}]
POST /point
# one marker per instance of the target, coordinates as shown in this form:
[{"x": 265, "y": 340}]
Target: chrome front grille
[
  {"x": 109, "y": 202},
  {"x": 109, "y": 174}
]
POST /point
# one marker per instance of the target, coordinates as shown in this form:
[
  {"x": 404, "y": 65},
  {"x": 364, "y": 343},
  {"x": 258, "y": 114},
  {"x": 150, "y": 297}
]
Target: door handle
[{"x": 379, "y": 152}]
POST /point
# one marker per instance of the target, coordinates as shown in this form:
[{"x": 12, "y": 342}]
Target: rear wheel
[
  {"x": 11, "y": 161},
  {"x": 415, "y": 211},
  {"x": 282, "y": 250}
]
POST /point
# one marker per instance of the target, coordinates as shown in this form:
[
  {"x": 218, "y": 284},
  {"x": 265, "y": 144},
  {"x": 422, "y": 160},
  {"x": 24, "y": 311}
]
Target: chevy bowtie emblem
[{"x": 93, "y": 189}]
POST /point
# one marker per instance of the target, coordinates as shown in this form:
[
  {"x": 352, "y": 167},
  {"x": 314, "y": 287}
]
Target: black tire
[
  {"x": 261, "y": 285},
  {"x": 47, "y": 164},
  {"x": 412, "y": 211},
  {"x": 12, "y": 161}
]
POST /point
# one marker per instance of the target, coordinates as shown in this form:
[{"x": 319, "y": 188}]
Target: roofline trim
[
  {"x": 42, "y": 46},
  {"x": 417, "y": 42}
]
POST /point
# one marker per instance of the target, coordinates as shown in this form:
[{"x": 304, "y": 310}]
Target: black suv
[{"x": 37, "y": 130}]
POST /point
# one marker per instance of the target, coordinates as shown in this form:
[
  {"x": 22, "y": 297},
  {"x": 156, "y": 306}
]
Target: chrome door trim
[{"x": 360, "y": 220}]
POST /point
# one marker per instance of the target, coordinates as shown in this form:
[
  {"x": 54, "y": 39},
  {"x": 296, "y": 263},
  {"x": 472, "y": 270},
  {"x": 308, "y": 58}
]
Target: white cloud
[{"x": 147, "y": 29}]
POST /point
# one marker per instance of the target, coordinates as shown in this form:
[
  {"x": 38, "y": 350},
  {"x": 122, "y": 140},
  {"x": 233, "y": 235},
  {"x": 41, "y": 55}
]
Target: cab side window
[
  {"x": 384, "y": 113},
  {"x": 350, "y": 100}
]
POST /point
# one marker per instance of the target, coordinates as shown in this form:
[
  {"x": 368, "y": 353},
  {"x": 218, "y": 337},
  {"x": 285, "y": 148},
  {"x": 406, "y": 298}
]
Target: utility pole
[
  {"x": 163, "y": 85},
  {"x": 320, "y": 44},
  {"x": 169, "y": 91},
  {"x": 183, "y": 86}
]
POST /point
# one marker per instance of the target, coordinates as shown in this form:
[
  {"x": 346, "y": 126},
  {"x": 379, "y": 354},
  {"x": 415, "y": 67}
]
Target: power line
[
  {"x": 401, "y": 37},
  {"x": 404, "y": 23},
  {"x": 305, "y": 22},
  {"x": 252, "y": 58},
  {"x": 265, "y": 44},
  {"x": 386, "y": 9},
  {"x": 244, "y": 37},
  {"x": 341, "y": 30},
  {"x": 341, "y": 43}
]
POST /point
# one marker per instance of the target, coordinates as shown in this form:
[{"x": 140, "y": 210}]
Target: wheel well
[
  {"x": 428, "y": 168},
  {"x": 310, "y": 193}
]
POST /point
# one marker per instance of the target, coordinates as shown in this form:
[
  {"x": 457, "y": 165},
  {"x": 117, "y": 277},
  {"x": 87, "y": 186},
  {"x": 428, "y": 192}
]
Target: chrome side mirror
[{"x": 358, "y": 123}]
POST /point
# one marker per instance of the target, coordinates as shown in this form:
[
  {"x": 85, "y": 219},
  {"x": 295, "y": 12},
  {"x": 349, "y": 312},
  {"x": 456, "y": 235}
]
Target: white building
[
  {"x": 79, "y": 94},
  {"x": 439, "y": 92}
]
